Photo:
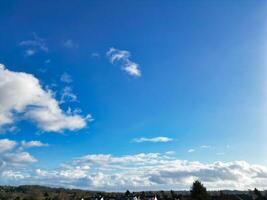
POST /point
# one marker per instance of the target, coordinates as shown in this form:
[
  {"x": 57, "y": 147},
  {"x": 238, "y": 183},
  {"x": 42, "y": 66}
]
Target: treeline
[{"x": 197, "y": 192}]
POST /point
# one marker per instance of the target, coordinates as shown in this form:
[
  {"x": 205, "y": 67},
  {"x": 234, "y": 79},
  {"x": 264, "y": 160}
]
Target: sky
[{"x": 139, "y": 95}]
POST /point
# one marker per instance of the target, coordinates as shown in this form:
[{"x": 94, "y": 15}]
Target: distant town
[{"x": 196, "y": 192}]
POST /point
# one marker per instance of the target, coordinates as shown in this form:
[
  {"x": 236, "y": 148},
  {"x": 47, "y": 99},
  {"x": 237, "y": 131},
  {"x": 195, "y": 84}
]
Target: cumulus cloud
[
  {"x": 14, "y": 175},
  {"x": 122, "y": 57},
  {"x": 12, "y": 153},
  {"x": 15, "y": 162},
  {"x": 19, "y": 158},
  {"x": 145, "y": 171},
  {"x": 23, "y": 98},
  {"x": 7, "y": 145},
  {"x": 33, "y": 45},
  {"x": 154, "y": 139}
]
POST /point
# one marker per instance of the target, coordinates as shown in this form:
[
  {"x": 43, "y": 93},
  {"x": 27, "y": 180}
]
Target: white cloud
[
  {"x": 34, "y": 44},
  {"x": 29, "y": 52},
  {"x": 144, "y": 171},
  {"x": 13, "y": 153},
  {"x": 7, "y": 145},
  {"x": 15, "y": 175},
  {"x": 205, "y": 146},
  {"x": 67, "y": 95},
  {"x": 19, "y": 158},
  {"x": 132, "y": 69},
  {"x": 117, "y": 55},
  {"x": 170, "y": 152},
  {"x": 66, "y": 78},
  {"x": 122, "y": 57},
  {"x": 155, "y": 139},
  {"x": 34, "y": 143},
  {"x": 22, "y": 97},
  {"x": 191, "y": 150}
]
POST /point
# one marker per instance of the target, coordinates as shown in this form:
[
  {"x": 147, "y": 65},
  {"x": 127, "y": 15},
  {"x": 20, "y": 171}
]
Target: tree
[
  {"x": 142, "y": 195},
  {"x": 259, "y": 195},
  {"x": 127, "y": 193},
  {"x": 199, "y": 192},
  {"x": 173, "y": 195}
]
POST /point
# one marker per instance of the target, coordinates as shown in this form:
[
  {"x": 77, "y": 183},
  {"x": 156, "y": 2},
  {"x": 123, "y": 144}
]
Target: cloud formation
[
  {"x": 34, "y": 45},
  {"x": 34, "y": 143},
  {"x": 191, "y": 150},
  {"x": 23, "y": 98},
  {"x": 14, "y": 160},
  {"x": 122, "y": 57},
  {"x": 66, "y": 78},
  {"x": 154, "y": 139},
  {"x": 12, "y": 152},
  {"x": 67, "y": 95},
  {"x": 205, "y": 146},
  {"x": 144, "y": 171},
  {"x": 29, "y": 52},
  {"x": 7, "y": 145}
]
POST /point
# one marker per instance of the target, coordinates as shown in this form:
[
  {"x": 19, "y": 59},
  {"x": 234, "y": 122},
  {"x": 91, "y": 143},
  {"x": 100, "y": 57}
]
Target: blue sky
[{"x": 173, "y": 82}]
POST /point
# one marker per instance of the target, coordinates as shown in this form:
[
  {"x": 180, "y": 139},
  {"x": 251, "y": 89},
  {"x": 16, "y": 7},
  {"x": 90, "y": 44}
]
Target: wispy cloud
[
  {"x": 70, "y": 44},
  {"x": 205, "y": 146},
  {"x": 67, "y": 95},
  {"x": 170, "y": 152},
  {"x": 34, "y": 45},
  {"x": 29, "y": 52},
  {"x": 191, "y": 150},
  {"x": 66, "y": 78},
  {"x": 33, "y": 143},
  {"x": 95, "y": 55},
  {"x": 154, "y": 139},
  {"x": 122, "y": 57}
]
